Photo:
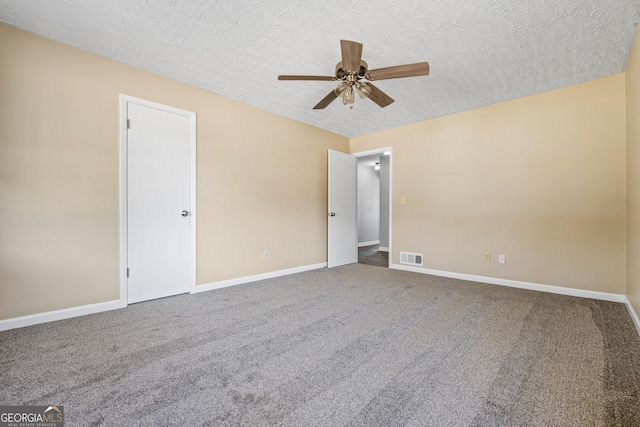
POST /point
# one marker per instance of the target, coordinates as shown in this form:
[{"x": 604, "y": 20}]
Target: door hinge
[
  {"x": 128, "y": 124},
  {"x": 127, "y": 272}
]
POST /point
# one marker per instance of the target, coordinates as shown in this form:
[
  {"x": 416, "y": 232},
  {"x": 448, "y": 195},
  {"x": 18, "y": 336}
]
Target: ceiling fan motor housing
[{"x": 341, "y": 73}]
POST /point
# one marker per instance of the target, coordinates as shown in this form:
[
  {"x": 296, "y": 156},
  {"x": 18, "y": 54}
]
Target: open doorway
[{"x": 373, "y": 206}]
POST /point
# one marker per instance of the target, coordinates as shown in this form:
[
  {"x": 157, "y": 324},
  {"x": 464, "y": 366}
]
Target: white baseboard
[
  {"x": 634, "y": 315},
  {"x": 371, "y": 243},
  {"x": 52, "y": 316},
  {"x": 255, "y": 278},
  {"x": 383, "y": 249},
  {"x": 517, "y": 284}
]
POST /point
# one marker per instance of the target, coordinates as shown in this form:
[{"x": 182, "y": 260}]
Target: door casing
[
  {"x": 355, "y": 243},
  {"x": 381, "y": 151}
]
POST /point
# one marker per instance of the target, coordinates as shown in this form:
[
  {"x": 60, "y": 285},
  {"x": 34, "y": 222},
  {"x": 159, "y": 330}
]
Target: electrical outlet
[
  {"x": 265, "y": 254},
  {"x": 502, "y": 259},
  {"x": 487, "y": 256}
]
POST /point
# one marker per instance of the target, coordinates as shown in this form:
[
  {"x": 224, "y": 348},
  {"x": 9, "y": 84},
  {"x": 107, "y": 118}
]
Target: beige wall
[
  {"x": 633, "y": 176},
  {"x": 261, "y": 178},
  {"x": 540, "y": 179}
]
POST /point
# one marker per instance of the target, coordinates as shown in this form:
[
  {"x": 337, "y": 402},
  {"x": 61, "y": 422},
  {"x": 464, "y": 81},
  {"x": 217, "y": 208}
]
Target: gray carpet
[{"x": 356, "y": 345}]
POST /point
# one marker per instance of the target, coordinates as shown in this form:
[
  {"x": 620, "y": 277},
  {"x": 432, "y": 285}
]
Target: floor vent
[{"x": 410, "y": 258}]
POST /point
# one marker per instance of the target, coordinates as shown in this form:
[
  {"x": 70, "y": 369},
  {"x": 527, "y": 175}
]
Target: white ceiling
[{"x": 480, "y": 51}]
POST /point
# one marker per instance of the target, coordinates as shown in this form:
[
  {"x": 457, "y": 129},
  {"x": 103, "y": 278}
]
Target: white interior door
[
  {"x": 158, "y": 203},
  {"x": 343, "y": 232}
]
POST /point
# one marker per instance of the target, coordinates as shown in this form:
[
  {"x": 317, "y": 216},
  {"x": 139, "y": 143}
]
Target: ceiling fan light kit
[
  {"x": 363, "y": 90},
  {"x": 347, "y": 96},
  {"x": 352, "y": 69}
]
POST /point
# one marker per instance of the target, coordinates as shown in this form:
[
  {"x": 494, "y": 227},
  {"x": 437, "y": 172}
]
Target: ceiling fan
[{"x": 352, "y": 69}]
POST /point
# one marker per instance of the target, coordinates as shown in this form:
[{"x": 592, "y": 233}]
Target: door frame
[
  {"x": 381, "y": 152},
  {"x": 125, "y": 100}
]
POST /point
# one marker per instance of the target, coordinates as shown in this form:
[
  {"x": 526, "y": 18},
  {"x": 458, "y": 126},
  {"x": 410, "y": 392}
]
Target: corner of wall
[{"x": 632, "y": 180}]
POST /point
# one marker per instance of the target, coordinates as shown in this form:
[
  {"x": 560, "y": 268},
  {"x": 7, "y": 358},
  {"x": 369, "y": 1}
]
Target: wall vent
[{"x": 411, "y": 258}]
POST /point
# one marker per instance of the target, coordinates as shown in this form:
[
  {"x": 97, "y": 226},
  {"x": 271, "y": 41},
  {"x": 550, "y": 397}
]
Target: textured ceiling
[{"x": 480, "y": 51}]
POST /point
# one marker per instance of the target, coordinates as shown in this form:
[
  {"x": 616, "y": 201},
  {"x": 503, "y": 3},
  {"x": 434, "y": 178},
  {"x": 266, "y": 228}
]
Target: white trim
[
  {"x": 255, "y": 278},
  {"x": 372, "y": 152},
  {"x": 124, "y": 101},
  {"x": 381, "y": 151},
  {"x": 192, "y": 200},
  {"x": 52, "y": 316},
  {"x": 632, "y": 312},
  {"x": 516, "y": 284},
  {"x": 123, "y": 199},
  {"x": 383, "y": 249},
  {"x": 371, "y": 243}
]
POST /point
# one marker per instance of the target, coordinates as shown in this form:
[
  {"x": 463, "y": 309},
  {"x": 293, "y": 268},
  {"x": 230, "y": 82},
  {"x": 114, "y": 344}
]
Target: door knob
[
  {"x": 185, "y": 213},
  {"x": 331, "y": 214}
]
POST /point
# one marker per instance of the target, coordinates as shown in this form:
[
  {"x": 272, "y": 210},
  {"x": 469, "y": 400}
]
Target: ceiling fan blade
[
  {"x": 351, "y": 55},
  {"x": 379, "y": 97},
  {"x": 325, "y": 78},
  {"x": 408, "y": 70},
  {"x": 326, "y": 101}
]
